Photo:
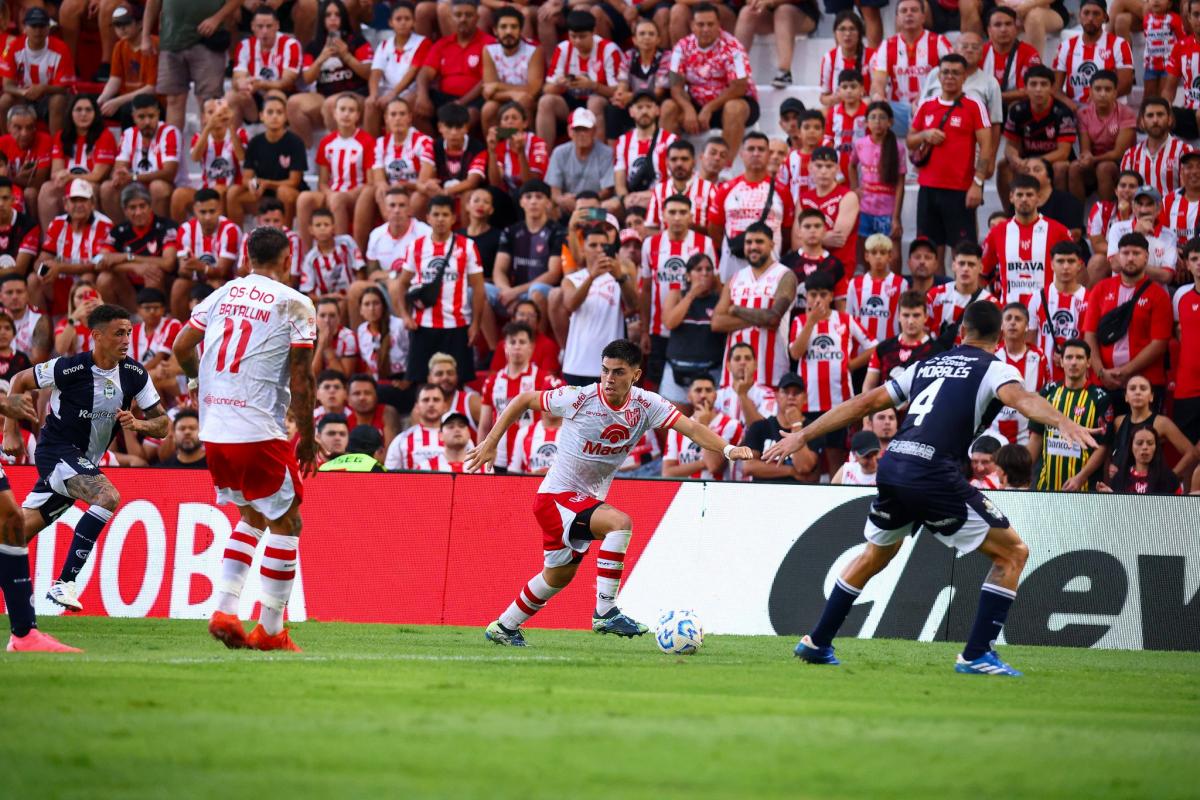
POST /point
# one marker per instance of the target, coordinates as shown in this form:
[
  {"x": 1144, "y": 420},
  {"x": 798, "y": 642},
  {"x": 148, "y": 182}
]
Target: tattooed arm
[
  {"x": 303, "y": 386},
  {"x": 156, "y": 424},
  {"x": 785, "y": 295}
]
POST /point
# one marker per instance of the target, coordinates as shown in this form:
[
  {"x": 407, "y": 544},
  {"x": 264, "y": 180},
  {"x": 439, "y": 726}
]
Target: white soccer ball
[{"x": 679, "y": 633}]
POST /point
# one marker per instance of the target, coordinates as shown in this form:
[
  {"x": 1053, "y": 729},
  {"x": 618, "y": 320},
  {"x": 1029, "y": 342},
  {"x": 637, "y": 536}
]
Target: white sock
[
  {"x": 610, "y": 566},
  {"x": 278, "y": 573},
  {"x": 531, "y": 600},
  {"x": 235, "y": 566}
]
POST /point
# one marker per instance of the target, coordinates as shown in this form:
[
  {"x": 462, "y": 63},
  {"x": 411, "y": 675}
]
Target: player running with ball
[
  {"x": 258, "y": 339},
  {"x": 952, "y": 398},
  {"x": 601, "y": 423}
]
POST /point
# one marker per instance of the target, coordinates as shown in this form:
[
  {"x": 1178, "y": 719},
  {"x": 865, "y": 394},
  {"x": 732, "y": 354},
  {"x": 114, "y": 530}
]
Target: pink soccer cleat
[{"x": 37, "y": 642}]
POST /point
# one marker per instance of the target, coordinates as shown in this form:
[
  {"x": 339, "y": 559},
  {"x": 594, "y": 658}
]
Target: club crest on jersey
[
  {"x": 110, "y": 391},
  {"x": 633, "y": 415},
  {"x": 285, "y": 161}
]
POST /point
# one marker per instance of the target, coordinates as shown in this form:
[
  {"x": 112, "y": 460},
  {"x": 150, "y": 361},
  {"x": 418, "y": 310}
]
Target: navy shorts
[
  {"x": 56, "y": 464},
  {"x": 954, "y": 511}
]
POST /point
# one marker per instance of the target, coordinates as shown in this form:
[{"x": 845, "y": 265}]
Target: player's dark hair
[
  {"x": 623, "y": 350},
  {"x": 266, "y": 246},
  {"x": 702, "y": 377},
  {"x": 513, "y": 328},
  {"x": 333, "y": 419},
  {"x": 763, "y": 228},
  {"x": 508, "y": 12},
  {"x": 756, "y": 136},
  {"x": 810, "y": 213},
  {"x": 6, "y": 319},
  {"x": 266, "y": 11},
  {"x": 453, "y": 115},
  {"x": 148, "y": 294},
  {"x": 819, "y": 282},
  {"x": 635, "y": 211},
  {"x": 985, "y": 445},
  {"x": 186, "y": 413},
  {"x": 1039, "y": 71},
  {"x": 1066, "y": 249},
  {"x": 983, "y": 319},
  {"x": 141, "y": 101},
  {"x": 363, "y": 377},
  {"x": 1016, "y": 464},
  {"x": 537, "y": 312},
  {"x": 912, "y": 299},
  {"x": 331, "y": 375},
  {"x": 703, "y": 8},
  {"x": 1152, "y": 101},
  {"x": 952, "y": 58},
  {"x": 442, "y": 201},
  {"x": 678, "y": 198},
  {"x": 1098, "y": 75},
  {"x": 824, "y": 154},
  {"x": 1080, "y": 343},
  {"x": 889, "y": 151},
  {"x": 1018, "y": 307},
  {"x": 103, "y": 314},
  {"x": 1024, "y": 182},
  {"x": 682, "y": 144},
  {"x": 1134, "y": 239},
  {"x": 320, "y": 39},
  {"x": 6, "y": 182},
  {"x": 205, "y": 195},
  {"x": 734, "y": 348},
  {"x": 10, "y": 277},
  {"x": 1130, "y": 173},
  {"x": 580, "y": 22},
  {"x": 968, "y": 249}
]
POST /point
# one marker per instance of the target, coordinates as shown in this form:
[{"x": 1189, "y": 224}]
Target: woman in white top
[
  {"x": 383, "y": 351},
  {"x": 395, "y": 65}
]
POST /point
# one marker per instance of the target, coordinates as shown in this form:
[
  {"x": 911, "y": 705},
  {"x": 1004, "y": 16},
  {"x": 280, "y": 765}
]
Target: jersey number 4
[
  {"x": 922, "y": 404},
  {"x": 241, "y": 332}
]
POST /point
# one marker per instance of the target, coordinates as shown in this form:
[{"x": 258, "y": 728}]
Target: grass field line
[{"x": 223, "y": 658}]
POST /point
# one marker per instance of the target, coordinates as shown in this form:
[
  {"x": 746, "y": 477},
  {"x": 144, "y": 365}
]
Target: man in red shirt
[
  {"x": 1016, "y": 254},
  {"x": 954, "y": 129},
  {"x": 456, "y": 64},
  {"x": 1187, "y": 373},
  {"x": 37, "y": 69},
  {"x": 1140, "y": 351},
  {"x": 28, "y": 153}
]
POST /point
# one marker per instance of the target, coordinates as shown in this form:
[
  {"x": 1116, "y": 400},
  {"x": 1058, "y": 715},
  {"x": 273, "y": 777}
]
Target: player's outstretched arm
[
  {"x": 703, "y": 436},
  {"x": 185, "y": 350},
  {"x": 18, "y": 398},
  {"x": 1037, "y": 408},
  {"x": 484, "y": 453},
  {"x": 303, "y": 386},
  {"x": 838, "y": 417}
]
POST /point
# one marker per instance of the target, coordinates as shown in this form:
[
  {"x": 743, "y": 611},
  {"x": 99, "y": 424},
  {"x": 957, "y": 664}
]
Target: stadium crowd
[{"x": 481, "y": 194}]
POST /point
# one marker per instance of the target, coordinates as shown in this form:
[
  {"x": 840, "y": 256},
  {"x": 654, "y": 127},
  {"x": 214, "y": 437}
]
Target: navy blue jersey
[
  {"x": 952, "y": 399},
  {"x": 84, "y": 401}
]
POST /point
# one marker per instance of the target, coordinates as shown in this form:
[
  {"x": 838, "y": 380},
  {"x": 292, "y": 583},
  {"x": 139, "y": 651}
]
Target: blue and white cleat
[
  {"x": 987, "y": 664},
  {"x": 498, "y": 634},
  {"x": 618, "y": 624},
  {"x": 807, "y": 651}
]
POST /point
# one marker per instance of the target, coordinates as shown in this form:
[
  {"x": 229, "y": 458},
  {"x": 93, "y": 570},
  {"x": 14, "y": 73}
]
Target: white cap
[
  {"x": 81, "y": 188},
  {"x": 581, "y": 118}
]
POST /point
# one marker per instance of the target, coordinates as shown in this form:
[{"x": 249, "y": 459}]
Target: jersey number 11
[{"x": 242, "y": 333}]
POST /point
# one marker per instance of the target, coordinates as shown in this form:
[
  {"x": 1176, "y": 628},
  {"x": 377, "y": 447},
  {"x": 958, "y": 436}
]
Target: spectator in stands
[
  {"x": 404, "y": 159},
  {"x": 145, "y": 247},
  {"x": 331, "y": 393},
  {"x": 878, "y": 176},
  {"x": 983, "y": 462},
  {"x": 528, "y": 263},
  {"x": 218, "y": 149},
  {"x": 795, "y": 171},
  {"x": 1080, "y": 57},
  {"x": 594, "y": 296},
  {"x": 900, "y": 65},
  {"x": 453, "y": 69},
  {"x": 1017, "y": 271},
  {"x": 333, "y": 434},
  {"x": 208, "y": 248},
  {"x": 924, "y": 270},
  {"x": 363, "y": 401},
  {"x": 12, "y": 360},
  {"x": 812, "y": 257},
  {"x": 978, "y": 83},
  {"x": 72, "y": 335},
  {"x": 270, "y": 215},
  {"x": 1183, "y": 72},
  {"x": 1156, "y": 158},
  {"x": 1014, "y": 467},
  {"x": 1040, "y": 126},
  {"x": 443, "y": 372},
  {"x": 838, "y": 206},
  {"x": 38, "y": 70},
  {"x": 514, "y": 70},
  {"x": 583, "y": 75},
  {"x": 1104, "y": 214},
  {"x": 395, "y": 64},
  {"x": 711, "y": 84},
  {"x": 743, "y": 398},
  {"x": 189, "y": 450},
  {"x": 802, "y": 465},
  {"x": 1147, "y": 473},
  {"x": 684, "y": 179},
  {"x": 785, "y": 20},
  {"x": 149, "y": 154},
  {"x": 459, "y": 162},
  {"x": 872, "y": 299},
  {"x": 439, "y": 318},
  {"x": 581, "y": 165},
  {"x": 1106, "y": 130},
  {"x": 133, "y": 70},
  {"x": 847, "y": 120},
  {"x": 519, "y": 374},
  {"x": 753, "y": 196},
  {"x": 1141, "y": 349},
  {"x": 32, "y": 327},
  {"x": 884, "y": 425},
  {"x": 1181, "y": 209},
  {"x": 20, "y": 235},
  {"x": 335, "y": 62},
  {"x": 684, "y": 458},
  {"x": 850, "y": 52},
  {"x": 640, "y": 154},
  {"x": 75, "y": 245},
  {"x": 1056, "y": 312},
  {"x": 28, "y": 151},
  {"x": 693, "y": 348},
  {"x": 1187, "y": 321},
  {"x": 421, "y": 442},
  {"x": 645, "y": 67},
  {"x": 383, "y": 341},
  {"x": 456, "y": 441},
  {"x": 911, "y": 344},
  {"x": 947, "y": 302},
  {"x": 336, "y": 347},
  {"x": 1005, "y": 56},
  {"x": 364, "y": 448},
  {"x": 345, "y": 158},
  {"x": 84, "y": 148},
  {"x": 860, "y": 470},
  {"x": 274, "y": 165},
  {"x": 268, "y": 61},
  {"x": 1148, "y": 221},
  {"x": 951, "y": 132},
  {"x": 545, "y": 349},
  {"x": 332, "y": 263},
  {"x": 1030, "y": 362},
  {"x": 518, "y": 157},
  {"x": 1139, "y": 396},
  {"x": 388, "y": 242},
  {"x": 537, "y": 446},
  {"x": 193, "y": 44},
  {"x": 682, "y": 18}
]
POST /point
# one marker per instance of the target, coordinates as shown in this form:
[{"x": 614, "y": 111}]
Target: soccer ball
[{"x": 679, "y": 633}]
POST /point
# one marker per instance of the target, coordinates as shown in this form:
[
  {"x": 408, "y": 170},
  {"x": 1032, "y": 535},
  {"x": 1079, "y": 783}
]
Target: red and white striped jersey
[
  {"x": 1057, "y": 320},
  {"x": 761, "y": 395},
  {"x": 1181, "y": 215},
  {"x": 602, "y": 65},
  {"x": 793, "y": 173},
  {"x": 535, "y": 449},
  {"x": 874, "y": 304},
  {"x": 79, "y": 246},
  {"x": 1161, "y": 32},
  {"x": 630, "y": 150},
  {"x": 537, "y": 155},
  {"x": 414, "y": 448},
  {"x": 995, "y": 64},
  {"x": 424, "y": 259},
  {"x": 512, "y": 69},
  {"x": 50, "y": 66},
  {"x": 25, "y": 325},
  {"x": 1016, "y": 257},
  {"x": 149, "y": 154},
  {"x": 833, "y": 62},
  {"x": 224, "y": 242},
  {"x": 499, "y": 390},
  {"x": 1080, "y": 60},
  {"x": 1184, "y": 64},
  {"x": 331, "y": 272},
  {"x": 368, "y": 343},
  {"x": 664, "y": 264},
  {"x": 907, "y": 64},
  {"x": 842, "y": 127},
  {"x": 220, "y": 166},
  {"x": 268, "y": 62},
  {"x": 946, "y": 303},
  {"x": 144, "y": 345},
  {"x": 401, "y": 157},
  {"x": 1158, "y": 167},
  {"x": 460, "y": 403},
  {"x": 1034, "y": 367},
  {"x": 769, "y": 344},
  {"x": 83, "y": 337},
  {"x": 346, "y": 345},
  {"x": 84, "y": 158},
  {"x": 683, "y": 450},
  {"x": 1103, "y": 214},
  {"x": 698, "y": 190},
  {"x": 349, "y": 159},
  {"x": 825, "y": 366},
  {"x": 243, "y": 264}
]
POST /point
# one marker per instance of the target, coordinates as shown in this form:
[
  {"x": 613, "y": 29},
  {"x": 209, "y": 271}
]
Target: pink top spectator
[
  {"x": 1103, "y": 132},
  {"x": 877, "y": 199}
]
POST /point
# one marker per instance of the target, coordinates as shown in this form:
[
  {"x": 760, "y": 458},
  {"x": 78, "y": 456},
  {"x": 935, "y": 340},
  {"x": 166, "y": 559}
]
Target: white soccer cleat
[{"x": 63, "y": 593}]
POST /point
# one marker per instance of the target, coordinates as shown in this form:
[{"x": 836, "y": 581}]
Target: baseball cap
[
  {"x": 37, "y": 17},
  {"x": 792, "y": 105},
  {"x": 1148, "y": 191},
  {"x": 864, "y": 443},
  {"x": 455, "y": 416},
  {"x": 790, "y": 379},
  {"x": 535, "y": 186},
  {"x": 630, "y": 235},
  {"x": 364, "y": 440},
  {"x": 640, "y": 93},
  {"x": 1190, "y": 155},
  {"x": 81, "y": 188},
  {"x": 922, "y": 241},
  {"x": 123, "y": 15},
  {"x": 581, "y": 118}
]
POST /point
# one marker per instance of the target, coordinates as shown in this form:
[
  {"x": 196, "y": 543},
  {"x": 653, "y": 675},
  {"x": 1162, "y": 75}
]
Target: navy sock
[
  {"x": 994, "y": 602},
  {"x": 841, "y": 599},
  {"x": 18, "y": 588},
  {"x": 87, "y": 531}
]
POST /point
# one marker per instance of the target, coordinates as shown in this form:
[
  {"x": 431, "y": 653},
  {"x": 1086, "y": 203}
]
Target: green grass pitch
[{"x": 155, "y": 709}]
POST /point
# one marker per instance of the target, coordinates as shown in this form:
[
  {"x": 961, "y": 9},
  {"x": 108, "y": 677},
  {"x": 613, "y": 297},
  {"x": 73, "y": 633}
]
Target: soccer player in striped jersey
[{"x": 1060, "y": 459}]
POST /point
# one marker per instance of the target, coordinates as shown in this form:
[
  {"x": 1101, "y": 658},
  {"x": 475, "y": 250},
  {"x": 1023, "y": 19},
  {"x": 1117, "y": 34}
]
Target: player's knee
[
  {"x": 108, "y": 498},
  {"x": 1018, "y": 555},
  {"x": 620, "y": 521}
]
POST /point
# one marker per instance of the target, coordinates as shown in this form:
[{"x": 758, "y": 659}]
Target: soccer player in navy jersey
[{"x": 952, "y": 396}]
